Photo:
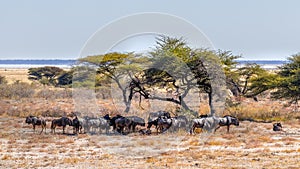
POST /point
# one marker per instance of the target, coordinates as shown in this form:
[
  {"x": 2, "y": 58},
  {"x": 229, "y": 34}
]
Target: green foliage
[
  {"x": 45, "y": 75},
  {"x": 289, "y": 80},
  {"x": 261, "y": 82},
  {"x": 83, "y": 76},
  {"x": 111, "y": 66},
  {"x": 65, "y": 79}
]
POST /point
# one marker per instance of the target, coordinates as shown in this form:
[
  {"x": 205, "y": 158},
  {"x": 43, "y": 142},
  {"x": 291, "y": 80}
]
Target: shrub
[
  {"x": 16, "y": 90},
  {"x": 47, "y": 93},
  {"x": 2, "y": 80}
]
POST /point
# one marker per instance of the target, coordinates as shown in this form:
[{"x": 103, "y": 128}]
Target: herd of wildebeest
[{"x": 161, "y": 121}]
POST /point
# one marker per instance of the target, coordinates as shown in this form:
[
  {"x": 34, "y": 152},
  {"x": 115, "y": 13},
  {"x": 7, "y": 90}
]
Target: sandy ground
[
  {"x": 250, "y": 145},
  {"x": 16, "y": 74}
]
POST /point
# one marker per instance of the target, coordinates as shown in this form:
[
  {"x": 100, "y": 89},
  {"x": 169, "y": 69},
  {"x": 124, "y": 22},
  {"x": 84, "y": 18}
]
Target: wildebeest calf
[{"x": 277, "y": 127}]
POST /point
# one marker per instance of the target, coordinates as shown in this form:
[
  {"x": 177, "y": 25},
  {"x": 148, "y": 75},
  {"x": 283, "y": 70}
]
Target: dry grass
[
  {"x": 13, "y": 75},
  {"x": 63, "y": 151},
  {"x": 250, "y": 145}
]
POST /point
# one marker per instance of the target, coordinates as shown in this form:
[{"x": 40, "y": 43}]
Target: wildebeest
[
  {"x": 179, "y": 122},
  {"x": 112, "y": 121},
  {"x": 162, "y": 124},
  {"x": 207, "y": 123},
  {"x": 277, "y": 127},
  {"x": 155, "y": 115},
  {"x": 95, "y": 124},
  {"x": 77, "y": 125},
  {"x": 145, "y": 131},
  {"x": 197, "y": 123},
  {"x": 136, "y": 121},
  {"x": 63, "y": 121},
  {"x": 36, "y": 121},
  {"x": 227, "y": 121},
  {"x": 151, "y": 123},
  {"x": 104, "y": 125},
  {"x": 123, "y": 123}
]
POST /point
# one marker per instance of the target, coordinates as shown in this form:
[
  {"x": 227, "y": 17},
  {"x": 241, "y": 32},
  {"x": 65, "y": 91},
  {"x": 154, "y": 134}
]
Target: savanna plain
[{"x": 252, "y": 144}]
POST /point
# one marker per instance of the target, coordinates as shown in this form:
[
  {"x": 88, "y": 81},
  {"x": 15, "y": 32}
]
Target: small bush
[
  {"x": 16, "y": 90},
  {"x": 3, "y": 80}
]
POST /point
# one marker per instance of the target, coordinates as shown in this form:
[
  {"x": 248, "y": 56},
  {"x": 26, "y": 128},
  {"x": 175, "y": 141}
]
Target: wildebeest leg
[
  {"x": 42, "y": 129},
  {"x": 80, "y": 129},
  {"x": 228, "y": 128},
  {"x": 33, "y": 126},
  {"x": 133, "y": 127},
  {"x": 53, "y": 130},
  {"x": 217, "y": 128},
  {"x": 106, "y": 130},
  {"x": 191, "y": 130},
  {"x": 52, "y": 127},
  {"x": 64, "y": 129}
]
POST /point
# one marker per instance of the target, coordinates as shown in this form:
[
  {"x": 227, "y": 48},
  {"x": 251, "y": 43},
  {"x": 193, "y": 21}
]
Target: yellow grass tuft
[
  {"x": 214, "y": 143},
  {"x": 151, "y": 160},
  {"x": 72, "y": 160},
  {"x": 6, "y": 157}
]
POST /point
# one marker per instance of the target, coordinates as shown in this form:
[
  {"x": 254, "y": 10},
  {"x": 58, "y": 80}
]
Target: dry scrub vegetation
[{"x": 250, "y": 145}]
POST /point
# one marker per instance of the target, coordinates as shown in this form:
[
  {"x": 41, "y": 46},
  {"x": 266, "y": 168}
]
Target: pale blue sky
[{"x": 58, "y": 29}]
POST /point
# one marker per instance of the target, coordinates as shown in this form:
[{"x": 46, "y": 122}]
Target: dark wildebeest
[
  {"x": 208, "y": 123},
  {"x": 112, "y": 121},
  {"x": 161, "y": 124},
  {"x": 36, "y": 121},
  {"x": 227, "y": 121},
  {"x": 277, "y": 127},
  {"x": 63, "y": 121},
  {"x": 145, "y": 131},
  {"x": 136, "y": 121},
  {"x": 203, "y": 116},
  {"x": 164, "y": 123},
  {"x": 151, "y": 123},
  {"x": 122, "y": 123},
  {"x": 155, "y": 115},
  {"x": 77, "y": 125}
]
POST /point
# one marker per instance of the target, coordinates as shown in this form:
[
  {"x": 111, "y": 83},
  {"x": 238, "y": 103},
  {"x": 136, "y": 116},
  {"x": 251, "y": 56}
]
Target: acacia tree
[
  {"x": 115, "y": 66},
  {"x": 175, "y": 65},
  {"x": 288, "y": 81},
  {"x": 46, "y": 75}
]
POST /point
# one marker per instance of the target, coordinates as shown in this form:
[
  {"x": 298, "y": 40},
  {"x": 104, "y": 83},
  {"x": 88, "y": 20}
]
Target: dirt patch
[{"x": 251, "y": 145}]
